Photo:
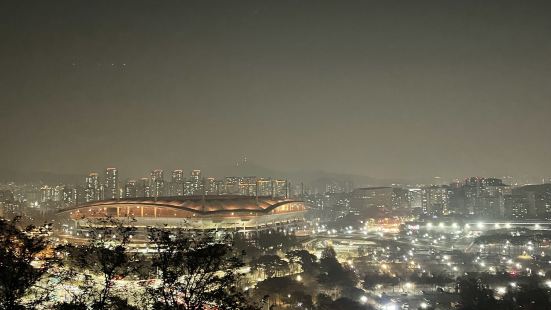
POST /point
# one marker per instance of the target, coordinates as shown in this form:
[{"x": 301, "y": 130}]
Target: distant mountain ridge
[{"x": 313, "y": 178}]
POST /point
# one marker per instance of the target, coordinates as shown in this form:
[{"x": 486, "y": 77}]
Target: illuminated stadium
[{"x": 196, "y": 213}]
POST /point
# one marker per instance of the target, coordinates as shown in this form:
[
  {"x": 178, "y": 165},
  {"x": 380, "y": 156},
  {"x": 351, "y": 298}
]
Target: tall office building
[{"x": 111, "y": 183}]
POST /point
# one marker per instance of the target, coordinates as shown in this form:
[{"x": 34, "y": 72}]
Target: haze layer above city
[{"x": 381, "y": 89}]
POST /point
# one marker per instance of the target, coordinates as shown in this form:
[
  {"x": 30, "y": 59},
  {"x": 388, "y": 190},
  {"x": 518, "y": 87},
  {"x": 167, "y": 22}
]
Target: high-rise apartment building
[
  {"x": 157, "y": 183},
  {"x": 415, "y": 198},
  {"x": 130, "y": 189},
  {"x": 483, "y": 196},
  {"x": 538, "y": 198},
  {"x": 280, "y": 188},
  {"x": 92, "y": 187},
  {"x": 111, "y": 183},
  {"x": 142, "y": 188},
  {"x": 371, "y": 197},
  {"x": 230, "y": 186},
  {"x": 195, "y": 182},
  {"x": 435, "y": 200},
  {"x": 177, "y": 183},
  {"x": 247, "y": 186},
  {"x": 69, "y": 196},
  {"x": 517, "y": 206},
  {"x": 210, "y": 186},
  {"x": 264, "y": 187}
]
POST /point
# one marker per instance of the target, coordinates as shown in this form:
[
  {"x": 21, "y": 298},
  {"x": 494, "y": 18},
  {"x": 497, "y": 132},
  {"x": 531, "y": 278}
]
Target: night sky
[{"x": 379, "y": 88}]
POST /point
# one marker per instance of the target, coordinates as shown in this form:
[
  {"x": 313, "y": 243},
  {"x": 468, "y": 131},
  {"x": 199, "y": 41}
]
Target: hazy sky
[{"x": 379, "y": 88}]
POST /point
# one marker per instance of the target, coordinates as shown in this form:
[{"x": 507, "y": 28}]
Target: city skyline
[
  {"x": 306, "y": 176},
  {"x": 485, "y": 198}
]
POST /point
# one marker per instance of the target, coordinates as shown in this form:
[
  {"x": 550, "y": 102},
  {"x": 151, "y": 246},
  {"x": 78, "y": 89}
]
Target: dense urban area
[{"x": 186, "y": 241}]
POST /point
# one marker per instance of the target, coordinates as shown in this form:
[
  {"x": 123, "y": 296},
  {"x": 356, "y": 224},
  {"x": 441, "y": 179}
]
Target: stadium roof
[{"x": 200, "y": 204}]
